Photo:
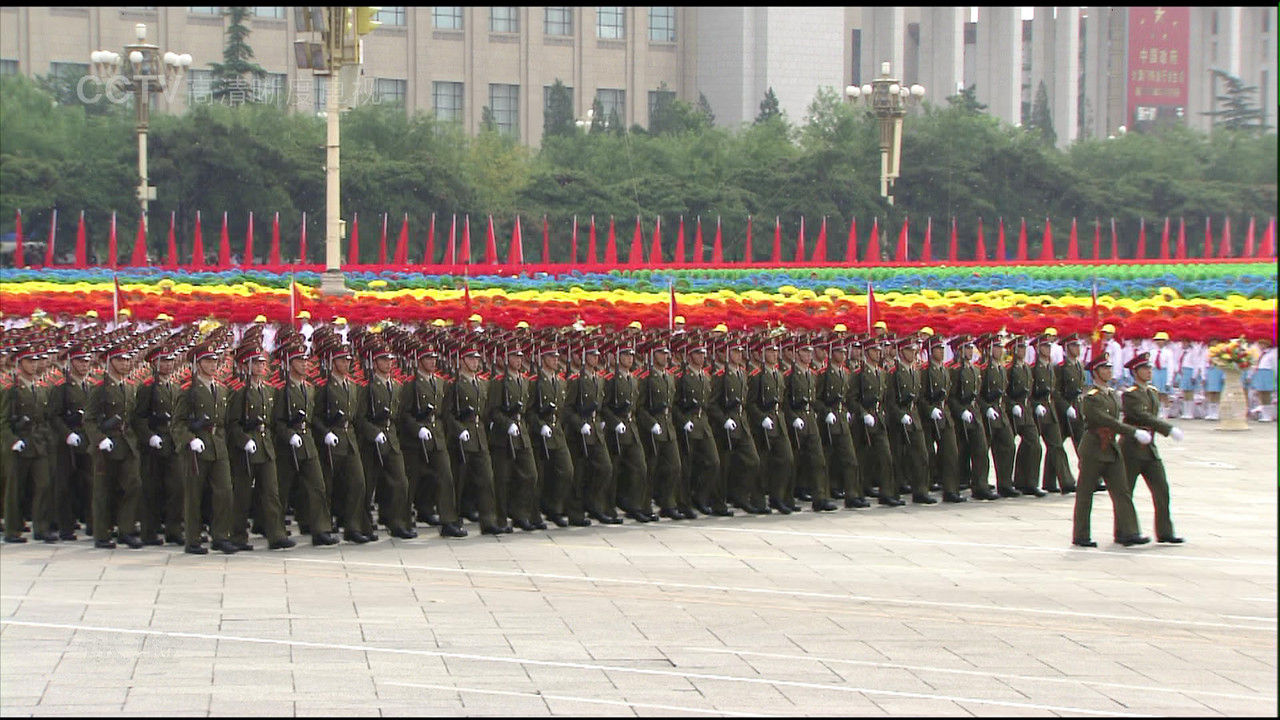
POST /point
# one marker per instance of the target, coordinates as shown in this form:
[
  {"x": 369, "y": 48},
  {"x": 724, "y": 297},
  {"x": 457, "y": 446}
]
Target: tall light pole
[
  {"x": 145, "y": 76},
  {"x": 888, "y": 99}
]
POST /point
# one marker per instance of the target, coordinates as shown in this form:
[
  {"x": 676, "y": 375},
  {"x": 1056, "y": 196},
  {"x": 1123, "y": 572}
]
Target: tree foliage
[
  {"x": 1239, "y": 108},
  {"x": 558, "y": 119},
  {"x": 1041, "y": 124},
  {"x": 769, "y": 109}
]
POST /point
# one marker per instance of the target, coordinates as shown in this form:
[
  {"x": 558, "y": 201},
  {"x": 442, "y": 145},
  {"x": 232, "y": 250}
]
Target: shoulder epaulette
[
  {"x": 186, "y": 385},
  {"x": 1131, "y": 388},
  {"x": 952, "y": 365},
  {"x": 1094, "y": 391},
  {"x": 606, "y": 375},
  {"x": 753, "y": 372},
  {"x": 320, "y": 381},
  {"x": 719, "y": 372},
  {"x": 641, "y": 374},
  {"x": 149, "y": 382}
]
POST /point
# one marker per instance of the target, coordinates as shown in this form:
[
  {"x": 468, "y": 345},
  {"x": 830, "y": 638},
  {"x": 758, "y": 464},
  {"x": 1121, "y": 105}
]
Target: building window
[
  {"x": 658, "y": 98},
  {"x": 8, "y": 67},
  {"x": 504, "y": 103},
  {"x": 559, "y": 21},
  {"x": 270, "y": 13},
  {"x": 446, "y": 101},
  {"x": 389, "y": 91},
  {"x": 662, "y": 23},
  {"x": 199, "y": 86},
  {"x": 504, "y": 19},
  {"x": 271, "y": 89},
  {"x": 446, "y": 18},
  {"x": 69, "y": 70},
  {"x": 611, "y": 23},
  {"x": 321, "y": 93},
  {"x": 855, "y": 43},
  {"x": 204, "y": 10},
  {"x": 391, "y": 16},
  {"x": 612, "y": 101}
]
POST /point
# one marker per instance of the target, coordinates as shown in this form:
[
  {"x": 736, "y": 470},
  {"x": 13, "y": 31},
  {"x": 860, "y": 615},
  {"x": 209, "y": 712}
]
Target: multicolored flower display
[
  {"x": 1189, "y": 301},
  {"x": 1235, "y": 353}
]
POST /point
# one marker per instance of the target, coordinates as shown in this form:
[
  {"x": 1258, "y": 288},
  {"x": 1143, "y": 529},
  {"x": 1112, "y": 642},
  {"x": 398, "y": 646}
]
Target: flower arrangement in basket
[{"x": 1233, "y": 354}]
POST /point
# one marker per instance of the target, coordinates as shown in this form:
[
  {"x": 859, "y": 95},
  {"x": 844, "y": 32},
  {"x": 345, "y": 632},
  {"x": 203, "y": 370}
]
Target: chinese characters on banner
[{"x": 1159, "y": 44}]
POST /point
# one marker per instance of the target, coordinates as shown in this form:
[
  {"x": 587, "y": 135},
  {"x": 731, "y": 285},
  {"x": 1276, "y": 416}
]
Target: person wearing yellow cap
[
  {"x": 880, "y": 328},
  {"x": 1162, "y": 359}
]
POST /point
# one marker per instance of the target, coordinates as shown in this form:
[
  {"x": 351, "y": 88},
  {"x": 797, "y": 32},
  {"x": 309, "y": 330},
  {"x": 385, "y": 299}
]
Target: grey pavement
[{"x": 976, "y": 609}]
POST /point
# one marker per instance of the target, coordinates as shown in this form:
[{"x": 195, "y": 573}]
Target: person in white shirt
[
  {"x": 1262, "y": 380},
  {"x": 1214, "y": 380},
  {"x": 1114, "y": 353},
  {"x": 1162, "y": 360},
  {"x": 1055, "y": 350}
]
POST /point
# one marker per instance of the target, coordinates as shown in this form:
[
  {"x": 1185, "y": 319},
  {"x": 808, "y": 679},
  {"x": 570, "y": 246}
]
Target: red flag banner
[
  {"x": 1141, "y": 252},
  {"x": 402, "y": 243},
  {"x": 302, "y": 241},
  {"x": 655, "y": 250},
  {"x": 872, "y": 315},
  {"x": 1001, "y": 251},
  {"x": 429, "y": 252},
  {"x": 591, "y": 243},
  {"x": 224, "y": 245},
  {"x": 679, "y": 253},
  {"x": 465, "y": 259},
  {"x": 851, "y": 243},
  {"x": 1097, "y": 239},
  {"x": 800, "y": 254},
  {"x": 717, "y": 247},
  {"x": 1268, "y": 247},
  {"x": 82, "y": 251},
  {"x": 382, "y": 242},
  {"x": 197, "y": 247},
  {"x": 1022, "y": 241},
  {"x": 1046, "y": 247},
  {"x": 353, "y": 247},
  {"x": 18, "y": 259},
  {"x": 1180, "y": 251},
  {"x": 1208, "y": 238},
  {"x": 451, "y": 252},
  {"x": 273, "y": 255},
  {"x": 1073, "y": 243},
  {"x": 1164, "y": 240},
  {"x": 546, "y": 241},
  {"x": 873, "y": 244},
  {"x": 980, "y": 248},
  {"x": 635, "y": 258},
  {"x": 490, "y": 245},
  {"x": 902, "y": 254},
  {"x": 926, "y": 249},
  {"x": 1115, "y": 241},
  {"x": 112, "y": 252},
  {"x": 515, "y": 253},
  {"x": 1224, "y": 250},
  {"x": 247, "y": 258},
  {"x": 1249, "y": 240},
  {"x": 747, "y": 250},
  {"x": 776, "y": 256},
  {"x": 139, "y": 258},
  {"x": 820, "y": 247}
]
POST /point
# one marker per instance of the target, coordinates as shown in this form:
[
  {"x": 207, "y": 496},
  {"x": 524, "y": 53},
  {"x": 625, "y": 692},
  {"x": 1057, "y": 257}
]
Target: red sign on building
[{"x": 1159, "y": 48}]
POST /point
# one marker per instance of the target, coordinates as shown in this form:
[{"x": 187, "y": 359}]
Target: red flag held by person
[
  {"x": 53, "y": 235},
  {"x": 980, "y": 247},
  {"x": 717, "y": 247},
  {"x": 273, "y": 254},
  {"x": 873, "y": 244},
  {"x": 679, "y": 253},
  {"x": 1180, "y": 251},
  {"x": 698, "y": 251},
  {"x": 1073, "y": 243},
  {"x": 1249, "y": 240},
  {"x": 1022, "y": 241},
  {"x": 635, "y": 258},
  {"x": 353, "y": 248},
  {"x": 139, "y": 257},
  {"x": 903, "y": 251},
  {"x": 402, "y": 243},
  {"x": 1164, "y": 240},
  {"x": 851, "y": 243},
  {"x": 1046, "y": 248},
  {"x": 655, "y": 250},
  {"x": 671, "y": 305},
  {"x": 775, "y": 258},
  {"x": 1224, "y": 250},
  {"x": 197, "y": 247},
  {"x": 611, "y": 246},
  {"x": 466, "y": 294},
  {"x": 302, "y": 241},
  {"x": 800, "y": 243},
  {"x": 247, "y": 258},
  {"x": 1141, "y": 252},
  {"x": 117, "y": 297},
  {"x": 171, "y": 256},
  {"x": 18, "y": 259},
  {"x": 1001, "y": 252},
  {"x": 112, "y": 252}
]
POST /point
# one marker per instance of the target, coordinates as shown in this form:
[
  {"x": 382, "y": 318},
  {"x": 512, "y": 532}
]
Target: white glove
[
  {"x": 1176, "y": 434},
  {"x": 730, "y": 425},
  {"x": 906, "y": 419},
  {"x": 74, "y": 440},
  {"x": 424, "y": 434},
  {"x": 1017, "y": 411},
  {"x": 331, "y": 440},
  {"x": 586, "y": 430},
  {"x": 546, "y": 430},
  {"x": 1071, "y": 412},
  {"x": 513, "y": 430},
  {"x": 992, "y": 414},
  {"x": 966, "y": 416},
  {"x": 848, "y": 416},
  {"x": 464, "y": 436},
  {"x": 295, "y": 440},
  {"x": 251, "y": 447},
  {"x": 380, "y": 438},
  {"x": 1142, "y": 436},
  {"x": 656, "y": 429},
  {"x": 767, "y": 423},
  {"x": 936, "y": 414},
  {"x": 19, "y": 446},
  {"x": 797, "y": 424},
  {"x": 688, "y": 426},
  {"x": 155, "y": 441},
  {"x": 196, "y": 445},
  {"x": 869, "y": 420},
  {"x": 620, "y": 428},
  {"x": 1040, "y": 411},
  {"x": 106, "y": 445}
]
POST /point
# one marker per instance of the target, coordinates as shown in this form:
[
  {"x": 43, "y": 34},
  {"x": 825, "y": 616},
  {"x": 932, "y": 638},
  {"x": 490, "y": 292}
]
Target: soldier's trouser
[
  {"x": 594, "y": 487},
  {"x": 515, "y": 483},
  {"x": 216, "y": 475},
  {"x": 777, "y": 469},
  {"x": 160, "y": 502},
  {"x": 116, "y": 488},
  {"x": 555, "y": 477},
  {"x": 944, "y": 456},
  {"x": 632, "y": 492},
  {"x": 1026, "y": 462},
  {"x": 22, "y": 472},
  {"x": 246, "y": 488},
  {"x": 1152, "y": 471},
  {"x": 877, "y": 459},
  {"x": 73, "y": 489},
  {"x": 811, "y": 467},
  {"x": 910, "y": 459},
  {"x": 842, "y": 466},
  {"x": 385, "y": 478},
  {"x": 666, "y": 476},
  {"x": 1125, "y": 517},
  {"x": 475, "y": 472},
  {"x": 702, "y": 466},
  {"x": 1056, "y": 469},
  {"x": 1003, "y": 453},
  {"x": 307, "y": 483},
  {"x": 431, "y": 486},
  {"x": 739, "y": 466},
  {"x": 975, "y": 463},
  {"x": 346, "y": 483}
]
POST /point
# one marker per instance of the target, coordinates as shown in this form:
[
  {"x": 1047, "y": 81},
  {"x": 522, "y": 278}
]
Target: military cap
[
  {"x": 249, "y": 353},
  {"x": 120, "y": 351},
  {"x": 1138, "y": 361},
  {"x": 381, "y": 350},
  {"x": 1073, "y": 337},
  {"x": 1045, "y": 339},
  {"x": 471, "y": 352},
  {"x": 881, "y": 325},
  {"x": 514, "y": 350},
  {"x": 159, "y": 352},
  {"x": 1097, "y": 362},
  {"x": 30, "y": 352},
  {"x": 340, "y": 350},
  {"x": 552, "y": 350},
  {"x": 202, "y": 351},
  {"x": 627, "y": 350},
  {"x": 79, "y": 351},
  {"x": 960, "y": 341}
]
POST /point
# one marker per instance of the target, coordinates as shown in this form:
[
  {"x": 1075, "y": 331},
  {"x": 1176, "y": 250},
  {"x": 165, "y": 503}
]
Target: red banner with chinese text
[{"x": 1159, "y": 49}]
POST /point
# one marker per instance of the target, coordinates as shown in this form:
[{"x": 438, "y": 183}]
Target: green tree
[
  {"x": 671, "y": 115},
  {"x": 1239, "y": 108},
  {"x": 704, "y": 107},
  {"x": 488, "y": 123},
  {"x": 769, "y": 109},
  {"x": 558, "y": 118},
  {"x": 1041, "y": 123},
  {"x": 598, "y": 120},
  {"x": 967, "y": 100},
  {"x": 232, "y": 77}
]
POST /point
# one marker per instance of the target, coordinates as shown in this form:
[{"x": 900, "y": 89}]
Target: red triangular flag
[
  {"x": 1208, "y": 238},
  {"x": 18, "y": 259},
  {"x": 1115, "y": 241},
  {"x": 1249, "y": 240},
  {"x": 302, "y": 241},
  {"x": 1224, "y": 250},
  {"x": 429, "y": 252},
  {"x": 224, "y": 245},
  {"x": 611, "y": 247},
  {"x": 382, "y": 242},
  {"x": 980, "y": 247},
  {"x": 820, "y": 247},
  {"x": 1141, "y": 252},
  {"x": 635, "y": 258},
  {"x": 353, "y": 248},
  {"x": 872, "y": 315},
  {"x": 53, "y": 236},
  {"x": 82, "y": 253},
  {"x": 1164, "y": 240},
  {"x": 1002, "y": 253},
  {"x": 465, "y": 258},
  {"x": 671, "y": 305},
  {"x": 1046, "y": 247},
  {"x": 515, "y": 253},
  {"x": 139, "y": 258},
  {"x": 117, "y": 297},
  {"x": 697, "y": 243},
  {"x": 591, "y": 243},
  {"x": 800, "y": 243},
  {"x": 1180, "y": 252},
  {"x": 1073, "y": 243},
  {"x": 197, "y": 246},
  {"x": 490, "y": 245},
  {"x": 679, "y": 253},
  {"x": 171, "y": 257},
  {"x": 247, "y": 258},
  {"x": 273, "y": 255},
  {"x": 851, "y": 244},
  {"x": 1268, "y": 247},
  {"x": 402, "y": 243},
  {"x": 546, "y": 241},
  {"x": 953, "y": 243},
  {"x": 655, "y": 250},
  {"x": 775, "y": 258},
  {"x": 1022, "y": 241},
  {"x": 903, "y": 253},
  {"x": 112, "y": 252},
  {"x": 747, "y": 250},
  {"x": 1097, "y": 239},
  {"x": 451, "y": 252},
  {"x": 873, "y": 244},
  {"x": 717, "y": 246},
  {"x": 466, "y": 286},
  {"x": 926, "y": 250}
]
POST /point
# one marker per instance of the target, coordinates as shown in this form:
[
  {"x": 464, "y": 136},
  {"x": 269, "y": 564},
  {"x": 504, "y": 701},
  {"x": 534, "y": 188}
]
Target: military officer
[
  {"x": 293, "y": 415},
  {"x": 199, "y": 426},
  {"x": 971, "y": 436},
  {"x": 253, "y": 455},
  {"x": 663, "y": 458},
  {"x": 73, "y": 466},
  {"x": 1069, "y": 386},
  {"x": 380, "y": 453},
  {"x": 594, "y": 487},
  {"x": 464, "y": 403},
  {"x": 161, "y": 466},
  {"x": 811, "y": 460},
  {"x": 740, "y": 461},
  {"x": 631, "y": 471},
  {"x": 867, "y": 394},
  {"x": 1026, "y": 461},
  {"x": 832, "y": 408},
  {"x": 1056, "y": 469},
  {"x": 701, "y": 460},
  {"x": 1100, "y": 456},
  {"x": 764, "y": 408},
  {"x": 430, "y": 471},
  {"x": 547, "y": 415},
  {"x": 911, "y": 458},
  {"x": 25, "y": 432},
  {"x": 515, "y": 474},
  {"x": 940, "y": 430},
  {"x": 116, "y": 482},
  {"x": 994, "y": 382},
  {"x": 1141, "y": 404},
  {"x": 337, "y": 406}
]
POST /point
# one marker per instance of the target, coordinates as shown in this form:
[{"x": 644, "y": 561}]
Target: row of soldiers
[{"x": 511, "y": 427}]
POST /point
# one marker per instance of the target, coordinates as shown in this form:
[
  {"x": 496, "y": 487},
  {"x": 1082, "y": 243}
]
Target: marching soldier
[
  {"x": 728, "y": 419},
  {"x": 1069, "y": 386},
  {"x": 631, "y": 471},
  {"x": 1141, "y": 405},
  {"x": 161, "y": 469},
  {"x": 116, "y": 484},
  {"x": 991, "y": 404},
  {"x": 336, "y": 409},
  {"x": 940, "y": 437},
  {"x": 1043, "y": 383},
  {"x": 465, "y": 401},
  {"x": 383, "y": 462},
  {"x": 431, "y": 483},
  {"x": 811, "y": 460},
  {"x": 971, "y": 436},
  {"x": 1026, "y": 461},
  {"x": 594, "y": 487},
  {"x": 199, "y": 426},
  {"x": 764, "y": 407},
  {"x": 666, "y": 477},
  {"x": 73, "y": 466},
  {"x": 561, "y": 496},
  {"x": 1100, "y": 456},
  {"x": 910, "y": 457},
  {"x": 253, "y": 455},
  {"x": 832, "y": 409},
  {"x": 867, "y": 394},
  {"x": 701, "y": 461},
  {"x": 293, "y": 416},
  {"x": 25, "y": 432},
  {"x": 515, "y": 474}
]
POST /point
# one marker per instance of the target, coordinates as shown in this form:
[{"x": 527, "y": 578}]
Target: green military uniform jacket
[
  {"x": 110, "y": 415},
  {"x": 293, "y": 412},
  {"x": 508, "y": 399},
  {"x": 249, "y": 414},
  {"x": 550, "y": 393},
  {"x": 422, "y": 403},
  {"x": 1044, "y": 390},
  {"x": 693, "y": 392},
  {"x": 464, "y": 402},
  {"x": 994, "y": 384},
  {"x": 1141, "y": 406},
  {"x": 202, "y": 413},
  {"x": 802, "y": 386},
  {"x": 155, "y": 414},
  {"x": 867, "y": 392},
  {"x": 903, "y": 394},
  {"x": 965, "y": 384},
  {"x": 1102, "y": 425},
  {"x": 68, "y": 402},
  {"x": 336, "y": 409},
  {"x": 765, "y": 399},
  {"x": 584, "y": 397},
  {"x": 1018, "y": 393},
  {"x": 379, "y": 403},
  {"x": 729, "y": 390},
  {"x": 1068, "y": 379},
  {"x": 833, "y": 386},
  {"x": 656, "y": 391},
  {"x": 935, "y": 389},
  {"x": 621, "y": 395},
  {"x": 26, "y": 418}
]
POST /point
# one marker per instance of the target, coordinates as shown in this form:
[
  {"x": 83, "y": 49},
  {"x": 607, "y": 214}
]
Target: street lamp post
[
  {"x": 146, "y": 75},
  {"x": 887, "y": 98}
]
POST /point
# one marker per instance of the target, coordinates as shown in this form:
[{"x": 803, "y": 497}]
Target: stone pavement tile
[
  {"x": 77, "y": 694},
  {"x": 23, "y": 699},
  {"x": 322, "y": 706},
  {"x": 76, "y": 710},
  {"x": 260, "y": 708},
  {"x": 171, "y": 703}
]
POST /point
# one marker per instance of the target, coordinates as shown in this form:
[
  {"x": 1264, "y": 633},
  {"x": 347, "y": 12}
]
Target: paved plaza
[{"x": 978, "y": 609}]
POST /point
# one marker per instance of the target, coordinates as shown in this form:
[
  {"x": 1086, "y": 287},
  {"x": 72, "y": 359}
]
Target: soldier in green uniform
[
  {"x": 547, "y": 415},
  {"x": 116, "y": 484},
  {"x": 1069, "y": 386},
  {"x": 1026, "y": 461},
  {"x": 594, "y": 486},
  {"x": 199, "y": 426},
  {"x": 378, "y": 406},
  {"x": 253, "y": 455},
  {"x": 515, "y": 474},
  {"x": 73, "y": 466},
  {"x": 161, "y": 469},
  {"x": 1141, "y": 405},
  {"x": 663, "y": 456},
  {"x": 906, "y": 438},
  {"x": 727, "y": 414},
  {"x": 336, "y": 409},
  {"x": 811, "y": 459},
  {"x": 464, "y": 403},
  {"x": 940, "y": 430},
  {"x": 991, "y": 403},
  {"x": 867, "y": 394},
  {"x": 971, "y": 436},
  {"x": 1101, "y": 457},
  {"x": 429, "y": 468},
  {"x": 25, "y": 432},
  {"x": 1056, "y": 469},
  {"x": 764, "y": 407},
  {"x": 832, "y": 408},
  {"x": 701, "y": 460},
  {"x": 293, "y": 414},
  {"x": 631, "y": 471}
]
